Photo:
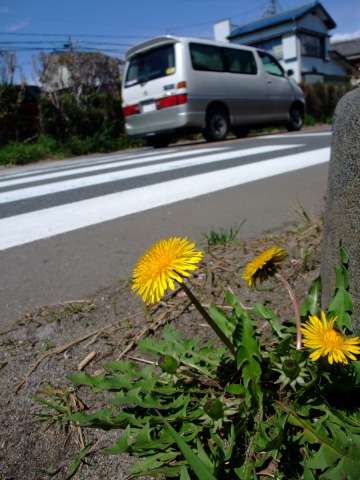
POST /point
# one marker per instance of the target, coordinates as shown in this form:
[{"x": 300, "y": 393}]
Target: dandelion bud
[
  {"x": 291, "y": 368},
  {"x": 214, "y": 408},
  {"x": 168, "y": 364}
]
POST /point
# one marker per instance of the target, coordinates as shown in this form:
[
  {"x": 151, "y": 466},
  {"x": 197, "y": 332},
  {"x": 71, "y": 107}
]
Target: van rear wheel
[{"x": 217, "y": 125}]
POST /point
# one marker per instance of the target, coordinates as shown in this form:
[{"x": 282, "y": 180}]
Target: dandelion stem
[
  {"x": 296, "y": 308},
  {"x": 208, "y": 319}
]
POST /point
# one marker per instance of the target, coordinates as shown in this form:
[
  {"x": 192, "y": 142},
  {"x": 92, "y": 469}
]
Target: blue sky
[{"x": 112, "y": 26}]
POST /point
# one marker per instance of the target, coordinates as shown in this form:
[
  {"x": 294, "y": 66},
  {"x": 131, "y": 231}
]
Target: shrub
[
  {"x": 322, "y": 98},
  {"x": 18, "y": 114}
]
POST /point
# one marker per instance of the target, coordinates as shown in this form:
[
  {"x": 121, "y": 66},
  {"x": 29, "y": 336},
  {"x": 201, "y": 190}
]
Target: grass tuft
[{"x": 222, "y": 236}]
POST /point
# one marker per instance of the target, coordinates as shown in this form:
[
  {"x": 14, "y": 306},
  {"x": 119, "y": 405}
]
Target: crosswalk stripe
[
  {"x": 7, "y": 182},
  {"x": 66, "y": 185},
  {"x": 56, "y": 220}
]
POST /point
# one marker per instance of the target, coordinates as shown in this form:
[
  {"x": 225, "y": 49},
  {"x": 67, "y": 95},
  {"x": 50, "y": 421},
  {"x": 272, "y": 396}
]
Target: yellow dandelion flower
[
  {"x": 165, "y": 261},
  {"x": 321, "y": 336},
  {"x": 264, "y": 265}
]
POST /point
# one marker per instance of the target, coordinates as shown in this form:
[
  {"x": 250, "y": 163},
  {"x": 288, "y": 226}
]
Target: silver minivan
[{"x": 177, "y": 85}]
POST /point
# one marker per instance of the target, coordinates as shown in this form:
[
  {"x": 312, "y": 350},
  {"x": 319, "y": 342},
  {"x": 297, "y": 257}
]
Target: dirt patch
[{"x": 48, "y": 344}]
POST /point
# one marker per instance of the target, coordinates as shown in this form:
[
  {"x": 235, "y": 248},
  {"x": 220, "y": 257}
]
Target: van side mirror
[{"x": 290, "y": 72}]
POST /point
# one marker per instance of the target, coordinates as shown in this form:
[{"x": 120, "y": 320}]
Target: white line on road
[
  {"x": 298, "y": 135},
  {"x": 66, "y": 185},
  {"x": 28, "y": 227},
  {"x": 122, "y": 162}
]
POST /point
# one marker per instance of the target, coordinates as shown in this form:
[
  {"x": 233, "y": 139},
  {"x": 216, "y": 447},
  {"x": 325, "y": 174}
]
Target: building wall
[
  {"x": 222, "y": 30},
  {"x": 289, "y": 52},
  {"x": 313, "y": 23}
]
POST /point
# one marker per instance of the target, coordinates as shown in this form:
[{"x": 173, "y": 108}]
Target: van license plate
[{"x": 148, "y": 107}]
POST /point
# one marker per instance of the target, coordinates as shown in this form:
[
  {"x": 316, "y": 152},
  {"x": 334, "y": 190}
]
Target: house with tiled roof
[
  {"x": 299, "y": 38},
  {"x": 349, "y": 49}
]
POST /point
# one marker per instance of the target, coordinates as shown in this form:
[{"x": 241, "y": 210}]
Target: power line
[
  {"x": 20, "y": 34},
  {"x": 37, "y": 42}
]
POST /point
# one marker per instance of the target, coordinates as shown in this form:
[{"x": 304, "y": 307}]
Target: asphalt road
[{"x": 105, "y": 211}]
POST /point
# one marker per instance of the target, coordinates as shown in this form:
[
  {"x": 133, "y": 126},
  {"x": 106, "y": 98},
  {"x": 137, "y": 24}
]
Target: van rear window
[
  {"x": 150, "y": 65},
  {"x": 222, "y": 59}
]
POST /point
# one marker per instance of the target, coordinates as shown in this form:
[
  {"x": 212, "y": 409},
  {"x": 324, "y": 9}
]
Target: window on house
[
  {"x": 312, "y": 45},
  {"x": 273, "y": 46}
]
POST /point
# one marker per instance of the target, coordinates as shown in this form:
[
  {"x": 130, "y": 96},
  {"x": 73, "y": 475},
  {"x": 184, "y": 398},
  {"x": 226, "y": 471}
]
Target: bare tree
[
  {"x": 7, "y": 67},
  {"x": 79, "y": 73}
]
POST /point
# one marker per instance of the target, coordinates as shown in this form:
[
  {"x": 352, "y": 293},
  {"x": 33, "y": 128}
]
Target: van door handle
[{"x": 268, "y": 81}]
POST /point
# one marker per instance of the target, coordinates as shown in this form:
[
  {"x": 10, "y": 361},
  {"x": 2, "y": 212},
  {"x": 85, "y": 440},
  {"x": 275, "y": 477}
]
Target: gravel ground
[{"x": 48, "y": 344}]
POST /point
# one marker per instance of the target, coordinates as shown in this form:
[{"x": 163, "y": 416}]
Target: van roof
[{"x": 168, "y": 39}]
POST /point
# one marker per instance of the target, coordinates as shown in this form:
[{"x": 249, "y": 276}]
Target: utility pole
[{"x": 269, "y": 9}]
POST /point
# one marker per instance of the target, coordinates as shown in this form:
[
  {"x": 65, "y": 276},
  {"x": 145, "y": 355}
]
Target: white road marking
[
  {"x": 66, "y": 185},
  {"x": 299, "y": 135},
  {"x": 28, "y": 227},
  {"x": 40, "y": 176}
]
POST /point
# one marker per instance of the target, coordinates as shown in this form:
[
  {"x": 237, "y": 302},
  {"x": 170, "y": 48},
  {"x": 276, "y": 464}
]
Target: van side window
[
  {"x": 206, "y": 57},
  {"x": 271, "y": 65},
  {"x": 240, "y": 61},
  {"x": 150, "y": 65}
]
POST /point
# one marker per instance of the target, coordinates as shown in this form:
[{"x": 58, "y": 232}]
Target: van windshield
[{"x": 146, "y": 66}]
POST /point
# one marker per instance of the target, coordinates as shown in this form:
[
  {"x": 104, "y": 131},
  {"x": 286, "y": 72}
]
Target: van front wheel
[
  {"x": 296, "y": 119},
  {"x": 217, "y": 125}
]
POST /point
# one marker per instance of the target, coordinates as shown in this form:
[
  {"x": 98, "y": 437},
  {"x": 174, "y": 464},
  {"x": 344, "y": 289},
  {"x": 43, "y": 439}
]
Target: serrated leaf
[
  {"x": 308, "y": 475},
  {"x": 275, "y": 435},
  {"x": 83, "y": 378},
  {"x": 121, "y": 445},
  {"x": 344, "y": 255},
  {"x": 311, "y": 303},
  {"x": 231, "y": 443},
  {"x": 323, "y": 458},
  {"x": 344, "y": 321},
  {"x": 248, "y": 350},
  {"x": 152, "y": 463},
  {"x": 222, "y": 320},
  {"x": 235, "y": 389},
  {"x": 342, "y": 277},
  {"x": 143, "y": 439},
  {"x": 338, "y": 446},
  {"x": 340, "y": 306},
  {"x": 134, "y": 398},
  {"x": 271, "y": 317},
  {"x": 122, "y": 366},
  {"x": 103, "y": 419}
]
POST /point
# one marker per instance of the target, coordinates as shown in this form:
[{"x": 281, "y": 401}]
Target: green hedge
[
  {"x": 94, "y": 123},
  {"x": 322, "y": 98},
  {"x": 18, "y": 118}
]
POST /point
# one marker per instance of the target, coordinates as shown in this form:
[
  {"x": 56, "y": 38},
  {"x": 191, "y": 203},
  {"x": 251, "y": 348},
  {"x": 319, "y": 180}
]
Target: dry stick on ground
[{"x": 61, "y": 349}]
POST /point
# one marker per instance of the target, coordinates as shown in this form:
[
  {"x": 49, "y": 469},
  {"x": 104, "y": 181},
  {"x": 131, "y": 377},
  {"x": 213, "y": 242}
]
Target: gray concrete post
[{"x": 342, "y": 206}]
